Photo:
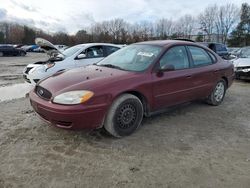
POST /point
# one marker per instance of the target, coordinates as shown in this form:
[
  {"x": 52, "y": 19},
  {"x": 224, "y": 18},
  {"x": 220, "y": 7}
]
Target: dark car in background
[
  {"x": 9, "y": 50},
  {"x": 218, "y": 48},
  {"x": 135, "y": 81}
]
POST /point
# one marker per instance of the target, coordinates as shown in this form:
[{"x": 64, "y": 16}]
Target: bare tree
[
  {"x": 225, "y": 18},
  {"x": 186, "y": 25},
  {"x": 207, "y": 20},
  {"x": 16, "y": 34},
  {"x": 164, "y": 28}
]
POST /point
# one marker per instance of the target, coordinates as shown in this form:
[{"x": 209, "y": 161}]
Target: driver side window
[
  {"x": 94, "y": 52},
  {"x": 176, "y": 58}
]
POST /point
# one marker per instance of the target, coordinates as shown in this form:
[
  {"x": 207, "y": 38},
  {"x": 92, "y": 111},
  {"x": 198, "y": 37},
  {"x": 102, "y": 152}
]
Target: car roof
[
  {"x": 211, "y": 43},
  {"x": 5, "y": 46},
  {"x": 95, "y": 44},
  {"x": 165, "y": 42}
]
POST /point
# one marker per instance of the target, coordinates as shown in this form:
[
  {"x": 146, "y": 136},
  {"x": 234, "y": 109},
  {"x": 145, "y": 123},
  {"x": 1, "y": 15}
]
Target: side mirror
[
  {"x": 81, "y": 56},
  {"x": 168, "y": 68}
]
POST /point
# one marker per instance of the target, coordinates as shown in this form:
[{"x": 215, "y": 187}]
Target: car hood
[
  {"x": 46, "y": 45},
  {"x": 242, "y": 62},
  {"x": 84, "y": 78}
]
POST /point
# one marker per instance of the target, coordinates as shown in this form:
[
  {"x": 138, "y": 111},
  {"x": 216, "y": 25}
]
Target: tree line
[{"x": 229, "y": 23}]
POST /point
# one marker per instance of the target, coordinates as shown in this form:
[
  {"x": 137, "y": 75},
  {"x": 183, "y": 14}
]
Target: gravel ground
[
  {"x": 11, "y": 67},
  {"x": 195, "y": 145}
]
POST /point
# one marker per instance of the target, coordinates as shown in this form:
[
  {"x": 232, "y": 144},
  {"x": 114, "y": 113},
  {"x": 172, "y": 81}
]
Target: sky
[{"x": 72, "y": 15}]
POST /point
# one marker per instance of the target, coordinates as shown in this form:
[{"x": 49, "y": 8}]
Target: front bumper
[
  {"x": 27, "y": 78},
  {"x": 242, "y": 75},
  {"x": 75, "y": 117}
]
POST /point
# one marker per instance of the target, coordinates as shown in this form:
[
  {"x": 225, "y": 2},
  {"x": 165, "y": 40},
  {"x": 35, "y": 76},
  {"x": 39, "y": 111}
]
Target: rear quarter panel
[{"x": 226, "y": 71}]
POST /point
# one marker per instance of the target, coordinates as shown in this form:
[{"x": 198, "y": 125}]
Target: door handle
[{"x": 188, "y": 76}]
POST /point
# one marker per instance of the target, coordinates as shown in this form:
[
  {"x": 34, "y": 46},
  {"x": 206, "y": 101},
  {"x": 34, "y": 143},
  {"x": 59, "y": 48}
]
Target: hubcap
[
  {"x": 219, "y": 91},
  {"x": 126, "y": 116}
]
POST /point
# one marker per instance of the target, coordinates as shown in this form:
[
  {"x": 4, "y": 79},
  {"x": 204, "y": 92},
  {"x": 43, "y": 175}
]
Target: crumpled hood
[
  {"x": 241, "y": 62},
  {"x": 46, "y": 45},
  {"x": 83, "y": 78}
]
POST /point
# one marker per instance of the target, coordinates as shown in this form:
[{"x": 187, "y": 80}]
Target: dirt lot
[
  {"x": 11, "y": 67},
  {"x": 193, "y": 146}
]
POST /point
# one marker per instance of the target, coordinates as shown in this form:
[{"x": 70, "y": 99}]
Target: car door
[
  {"x": 203, "y": 70},
  {"x": 9, "y": 51},
  {"x": 5, "y": 50},
  {"x": 15, "y": 51},
  {"x": 172, "y": 82},
  {"x": 93, "y": 55}
]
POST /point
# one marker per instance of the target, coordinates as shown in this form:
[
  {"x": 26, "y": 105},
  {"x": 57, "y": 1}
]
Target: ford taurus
[{"x": 138, "y": 80}]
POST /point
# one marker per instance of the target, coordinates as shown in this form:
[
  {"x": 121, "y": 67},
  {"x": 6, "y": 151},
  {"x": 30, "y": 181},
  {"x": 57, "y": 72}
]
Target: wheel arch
[
  {"x": 142, "y": 98},
  {"x": 226, "y": 80}
]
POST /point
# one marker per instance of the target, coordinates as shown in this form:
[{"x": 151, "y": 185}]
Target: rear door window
[
  {"x": 212, "y": 56},
  {"x": 200, "y": 56}
]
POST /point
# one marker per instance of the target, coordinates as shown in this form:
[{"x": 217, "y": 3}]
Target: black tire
[
  {"x": 124, "y": 116},
  {"x": 218, "y": 94},
  {"x": 22, "y": 54},
  {"x": 1, "y": 54}
]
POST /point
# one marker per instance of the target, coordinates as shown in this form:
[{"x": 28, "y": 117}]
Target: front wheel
[
  {"x": 218, "y": 94},
  {"x": 124, "y": 116},
  {"x": 1, "y": 54}
]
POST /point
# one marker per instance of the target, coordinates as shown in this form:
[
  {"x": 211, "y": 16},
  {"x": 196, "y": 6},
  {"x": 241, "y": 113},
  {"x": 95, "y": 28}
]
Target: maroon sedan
[{"x": 136, "y": 81}]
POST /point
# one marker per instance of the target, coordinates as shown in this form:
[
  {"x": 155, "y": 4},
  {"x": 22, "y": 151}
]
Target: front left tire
[{"x": 124, "y": 116}]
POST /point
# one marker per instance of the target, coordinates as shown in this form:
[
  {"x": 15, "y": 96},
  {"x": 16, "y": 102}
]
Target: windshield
[
  {"x": 245, "y": 53},
  {"x": 132, "y": 58},
  {"x": 70, "y": 51}
]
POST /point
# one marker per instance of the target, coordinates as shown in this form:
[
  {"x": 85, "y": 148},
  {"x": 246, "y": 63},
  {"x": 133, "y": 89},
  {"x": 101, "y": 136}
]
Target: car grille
[
  {"x": 43, "y": 93},
  {"x": 242, "y": 68},
  {"x": 27, "y": 80},
  {"x": 28, "y": 70}
]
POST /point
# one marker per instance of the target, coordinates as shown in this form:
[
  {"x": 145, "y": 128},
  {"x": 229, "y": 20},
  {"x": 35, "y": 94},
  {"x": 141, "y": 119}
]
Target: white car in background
[
  {"x": 242, "y": 64},
  {"x": 73, "y": 57}
]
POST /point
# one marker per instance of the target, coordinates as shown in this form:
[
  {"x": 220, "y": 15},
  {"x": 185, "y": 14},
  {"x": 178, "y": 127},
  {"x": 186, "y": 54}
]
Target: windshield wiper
[{"x": 110, "y": 66}]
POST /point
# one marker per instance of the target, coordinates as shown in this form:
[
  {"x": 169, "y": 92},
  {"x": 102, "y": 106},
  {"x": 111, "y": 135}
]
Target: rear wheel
[
  {"x": 22, "y": 54},
  {"x": 217, "y": 96},
  {"x": 124, "y": 116},
  {"x": 1, "y": 54}
]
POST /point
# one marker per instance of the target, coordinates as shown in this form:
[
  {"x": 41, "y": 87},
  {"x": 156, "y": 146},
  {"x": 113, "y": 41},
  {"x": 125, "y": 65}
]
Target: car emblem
[{"x": 40, "y": 91}]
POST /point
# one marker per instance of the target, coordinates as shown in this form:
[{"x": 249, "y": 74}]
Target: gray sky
[{"x": 72, "y": 15}]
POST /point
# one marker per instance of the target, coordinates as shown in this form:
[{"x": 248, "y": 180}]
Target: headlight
[
  {"x": 37, "y": 69},
  {"x": 246, "y": 70},
  {"x": 73, "y": 97}
]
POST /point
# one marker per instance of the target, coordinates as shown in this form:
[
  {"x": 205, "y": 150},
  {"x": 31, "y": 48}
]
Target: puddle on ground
[
  {"x": 15, "y": 91},
  {"x": 11, "y": 77}
]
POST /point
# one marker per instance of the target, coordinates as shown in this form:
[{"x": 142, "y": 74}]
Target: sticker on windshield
[{"x": 147, "y": 54}]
